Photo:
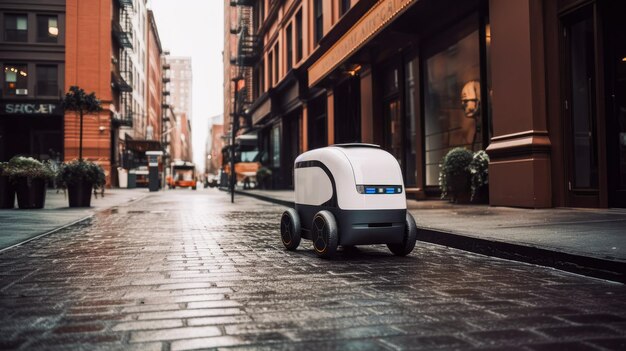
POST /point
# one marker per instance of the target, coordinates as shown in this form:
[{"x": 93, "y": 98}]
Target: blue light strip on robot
[{"x": 379, "y": 189}]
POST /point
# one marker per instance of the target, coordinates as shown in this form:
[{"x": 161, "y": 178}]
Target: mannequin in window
[{"x": 470, "y": 99}]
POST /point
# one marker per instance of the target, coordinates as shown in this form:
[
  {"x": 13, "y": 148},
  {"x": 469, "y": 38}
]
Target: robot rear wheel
[
  {"x": 410, "y": 236},
  {"x": 290, "y": 229},
  {"x": 324, "y": 234}
]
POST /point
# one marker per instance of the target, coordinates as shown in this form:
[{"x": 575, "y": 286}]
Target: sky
[{"x": 196, "y": 28}]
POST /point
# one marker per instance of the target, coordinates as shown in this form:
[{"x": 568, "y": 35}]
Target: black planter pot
[
  {"x": 30, "y": 194},
  {"x": 459, "y": 188},
  {"x": 7, "y": 193},
  {"x": 79, "y": 194}
]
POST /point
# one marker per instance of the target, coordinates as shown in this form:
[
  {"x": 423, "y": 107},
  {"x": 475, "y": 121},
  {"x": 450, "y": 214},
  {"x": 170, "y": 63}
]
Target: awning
[{"x": 372, "y": 23}]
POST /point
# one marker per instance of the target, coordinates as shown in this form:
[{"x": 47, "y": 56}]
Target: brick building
[
  {"x": 109, "y": 47},
  {"x": 539, "y": 84}
]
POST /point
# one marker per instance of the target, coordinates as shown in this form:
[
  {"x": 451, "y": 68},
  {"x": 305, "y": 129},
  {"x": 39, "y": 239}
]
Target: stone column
[
  {"x": 519, "y": 172},
  {"x": 367, "y": 107}
]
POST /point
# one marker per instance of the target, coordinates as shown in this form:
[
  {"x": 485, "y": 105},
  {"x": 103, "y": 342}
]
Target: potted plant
[
  {"x": 479, "y": 170},
  {"x": 79, "y": 101},
  {"x": 263, "y": 177},
  {"x": 29, "y": 177},
  {"x": 454, "y": 177},
  {"x": 80, "y": 177},
  {"x": 7, "y": 190}
]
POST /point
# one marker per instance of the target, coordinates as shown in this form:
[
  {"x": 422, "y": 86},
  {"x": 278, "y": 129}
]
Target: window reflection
[{"x": 451, "y": 102}]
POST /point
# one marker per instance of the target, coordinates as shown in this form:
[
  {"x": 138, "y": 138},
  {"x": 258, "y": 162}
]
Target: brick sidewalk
[
  {"x": 186, "y": 270},
  {"x": 583, "y": 241}
]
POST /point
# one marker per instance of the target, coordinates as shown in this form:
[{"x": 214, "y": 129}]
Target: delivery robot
[{"x": 348, "y": 194}]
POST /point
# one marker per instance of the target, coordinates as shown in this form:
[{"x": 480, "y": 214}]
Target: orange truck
[
  {"x": 182, "y": 175},
  {"x": 246, "y": 160}
]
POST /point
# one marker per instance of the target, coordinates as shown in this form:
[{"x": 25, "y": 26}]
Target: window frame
[
  {"x": 299, "y": 34},
  {"x": 289, "y": 46},
  {"x": 318, "y": 21},
  {"x": 48, "y": 38},
  {"x": 18, "y": 85},
  {"x": 15, "y": 31},
  {"x": 38, "y": 81}
]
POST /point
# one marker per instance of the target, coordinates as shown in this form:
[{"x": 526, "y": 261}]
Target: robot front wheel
[
  {"x": 290, "y": 229},
  {"x": 410, "y": 236},
  {"x": 324, "y": 234}
]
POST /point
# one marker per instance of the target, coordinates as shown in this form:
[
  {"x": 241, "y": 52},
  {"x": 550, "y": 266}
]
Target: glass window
[
  {"x": 270, "y": 67},
  {"x": 451, "y": 102},
  {"x": 15, "y": 27},
  {"x": 47, "y": 29},
  {"x": 288, "y": 38},
  {"x": 276, "y": 60},
  {"x": 299, "y": 36},
  {"x": 276, "y": 146},
  {"x": 318, "y": 15},
  {"x": 411, "y": 90},
  {"x": 47, "y": 80},
  {"x": 15, "y": 80},
  {"x": 345, "y": 6}
]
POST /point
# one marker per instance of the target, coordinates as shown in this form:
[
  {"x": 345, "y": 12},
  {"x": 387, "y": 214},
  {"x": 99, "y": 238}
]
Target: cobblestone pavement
[{"x": 185, "y": 270}]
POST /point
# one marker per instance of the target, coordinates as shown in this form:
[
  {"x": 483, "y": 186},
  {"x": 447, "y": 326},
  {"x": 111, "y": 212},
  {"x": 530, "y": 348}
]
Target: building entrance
[
  {"x": 615, "y": 66},
  {"x": 580, "y": 108}
]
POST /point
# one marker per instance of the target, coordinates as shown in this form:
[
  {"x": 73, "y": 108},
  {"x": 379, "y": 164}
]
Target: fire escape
[
  {"x": 248, "y": 51},
  {"x": 122, "y": 79}
]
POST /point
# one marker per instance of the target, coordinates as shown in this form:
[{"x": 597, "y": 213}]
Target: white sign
[{"x": 30, "y": 108}]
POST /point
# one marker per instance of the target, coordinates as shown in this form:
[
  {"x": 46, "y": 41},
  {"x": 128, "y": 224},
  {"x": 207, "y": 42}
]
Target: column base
[{"x": 519, "y": 170}]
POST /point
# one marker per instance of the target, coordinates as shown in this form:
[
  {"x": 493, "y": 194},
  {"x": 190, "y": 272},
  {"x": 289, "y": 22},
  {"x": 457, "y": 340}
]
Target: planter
[
  {"x": 30, "y": 193},
  {"x": 7, "y": 193},
  {"x": 459, "y": 188},
  {"x": 482, "y": 195},
  {"x": 79, "y": 194}
]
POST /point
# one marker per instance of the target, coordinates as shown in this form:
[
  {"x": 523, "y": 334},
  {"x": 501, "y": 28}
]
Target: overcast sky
[{"x": 195, "y": 28}]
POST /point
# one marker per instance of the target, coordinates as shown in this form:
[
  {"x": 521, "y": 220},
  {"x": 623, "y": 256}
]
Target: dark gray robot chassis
[{"x": 348, "y": 194}]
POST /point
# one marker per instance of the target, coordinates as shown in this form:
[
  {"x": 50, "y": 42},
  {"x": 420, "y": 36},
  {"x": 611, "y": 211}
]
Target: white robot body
[{"x": 360, "y": 184}]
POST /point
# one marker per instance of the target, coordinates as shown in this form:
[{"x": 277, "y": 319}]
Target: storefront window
[
  {"x": 15, "y": 80},
  {"x": 411, "y": 81},
  {"x": 276, "y": 146},
  {"x": 452, "y": 103}
]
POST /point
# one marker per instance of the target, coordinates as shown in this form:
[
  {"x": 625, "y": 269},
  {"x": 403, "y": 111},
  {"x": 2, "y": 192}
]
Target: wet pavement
[
  {"x": 184, "y": 270},
  {"x": 17, "y": 225}
]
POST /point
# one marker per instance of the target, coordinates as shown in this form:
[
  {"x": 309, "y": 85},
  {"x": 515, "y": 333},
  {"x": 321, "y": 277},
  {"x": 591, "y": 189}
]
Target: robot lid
[{"x": 349, "y": 176}]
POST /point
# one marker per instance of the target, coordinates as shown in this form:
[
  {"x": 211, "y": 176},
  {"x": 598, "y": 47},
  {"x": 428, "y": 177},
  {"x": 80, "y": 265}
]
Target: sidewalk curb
[
  {"x": 583, "y": 265},
  {"x": 78, "y": 221},
  {"x": 267, "y": 199}
]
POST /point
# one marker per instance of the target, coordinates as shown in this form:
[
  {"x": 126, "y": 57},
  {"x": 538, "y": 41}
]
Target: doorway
[
  {"x": 580, "y": 108},
  {"x": 615, "y": 68}
]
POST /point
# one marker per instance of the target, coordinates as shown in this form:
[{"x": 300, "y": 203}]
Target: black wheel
[
  {"x": 290, "y": 229},
  {"x": 324, "y": 234},
  {"x": 410, "y": 236},
  {"x": 193, "y": 188}
]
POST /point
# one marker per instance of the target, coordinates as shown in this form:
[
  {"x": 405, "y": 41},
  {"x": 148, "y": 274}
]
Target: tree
[{"x": 82, "y": 103}]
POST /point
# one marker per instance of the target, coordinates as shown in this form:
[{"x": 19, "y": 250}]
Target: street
[{"x": 187, "y": 269}]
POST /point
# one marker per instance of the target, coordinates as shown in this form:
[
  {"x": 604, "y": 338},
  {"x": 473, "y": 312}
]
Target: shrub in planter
[
  {"x": 7, "y": 190},
  {"x": 263, "y": 177},
  {"x": 454, "y": 177},
  {"x": 479, "y": 170},
  {"x": 29, "y": 177},
  {"x": 80, "y": 177}
]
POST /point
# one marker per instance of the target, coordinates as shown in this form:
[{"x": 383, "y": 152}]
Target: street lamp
[{"x": 234, "y": 121}]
